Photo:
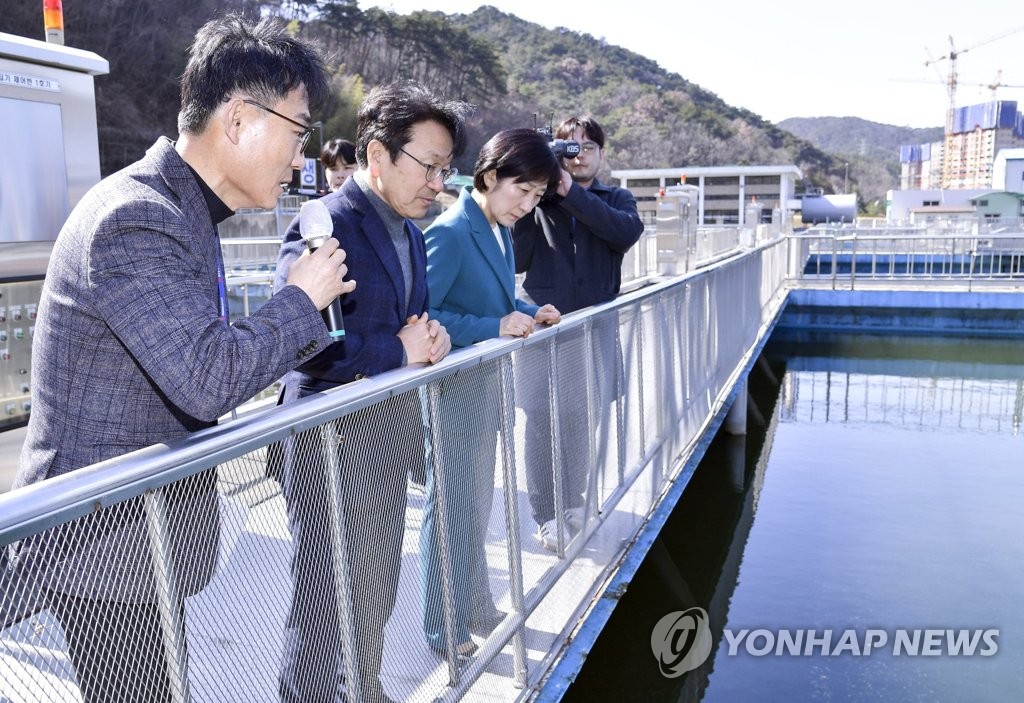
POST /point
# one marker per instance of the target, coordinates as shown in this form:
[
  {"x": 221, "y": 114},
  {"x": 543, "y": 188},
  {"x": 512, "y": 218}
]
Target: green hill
[{"x": 856, "y": 137}]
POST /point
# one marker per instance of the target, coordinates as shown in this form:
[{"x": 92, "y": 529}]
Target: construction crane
[
  {"x": 993, "y": 85},
  {"x": 953, "y": 151},
  {"x": 998, "y": 83},
  {"x": 951, "y": 80}
]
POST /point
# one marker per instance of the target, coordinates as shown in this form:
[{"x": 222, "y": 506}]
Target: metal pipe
[
  {"x": 329, "y": 441},
  {"x": 441, "y": 516},
  {"x": 168, "y": 600},
  {"x": 515, "y": 555},
  {"x": 556, "y": 447}
]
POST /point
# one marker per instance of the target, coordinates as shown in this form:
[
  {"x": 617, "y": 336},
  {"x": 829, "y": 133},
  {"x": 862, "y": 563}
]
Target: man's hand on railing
[{"x": 425, "y": 340}]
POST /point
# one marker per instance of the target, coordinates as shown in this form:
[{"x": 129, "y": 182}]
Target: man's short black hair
[
  {"x": 591, "y": 129},
  {"x": 231, "y": 56},
  {"x": 389, "y": 113}
]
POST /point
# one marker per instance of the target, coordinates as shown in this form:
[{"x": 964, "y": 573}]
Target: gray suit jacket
[{"x": 129, "y": 351}]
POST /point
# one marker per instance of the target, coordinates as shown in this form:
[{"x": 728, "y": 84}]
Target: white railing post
[{"x": 515, "y": 554}]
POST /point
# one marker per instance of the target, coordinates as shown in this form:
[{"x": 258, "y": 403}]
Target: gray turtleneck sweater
[{"x": 396, "y": 226}]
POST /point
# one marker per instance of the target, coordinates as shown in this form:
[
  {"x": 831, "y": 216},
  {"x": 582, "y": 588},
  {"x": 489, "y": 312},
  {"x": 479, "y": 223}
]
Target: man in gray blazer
[{"x": 133, "y": 346}]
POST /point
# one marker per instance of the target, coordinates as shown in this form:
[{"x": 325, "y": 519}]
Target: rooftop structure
[
  {"x": 1008, "y": 170},
  {"x": 725, "y": 192}
]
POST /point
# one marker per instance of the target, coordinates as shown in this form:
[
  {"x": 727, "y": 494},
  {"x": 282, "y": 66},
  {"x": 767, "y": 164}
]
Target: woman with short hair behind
[{"x": 338, "y": 158}]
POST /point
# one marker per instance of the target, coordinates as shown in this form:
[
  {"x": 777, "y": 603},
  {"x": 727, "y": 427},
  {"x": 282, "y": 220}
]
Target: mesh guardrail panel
[{"x": 396, "y": 550}]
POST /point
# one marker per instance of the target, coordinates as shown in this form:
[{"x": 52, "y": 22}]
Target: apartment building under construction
[{"x": 966, "y": 158}]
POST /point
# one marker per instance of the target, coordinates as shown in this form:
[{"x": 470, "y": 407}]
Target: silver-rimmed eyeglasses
[
  {"x": 447, "y": 175},
  {"x": 307, "y": 131}
]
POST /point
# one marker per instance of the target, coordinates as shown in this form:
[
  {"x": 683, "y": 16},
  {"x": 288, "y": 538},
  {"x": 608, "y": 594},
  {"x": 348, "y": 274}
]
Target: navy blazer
[
  {"x": 376, "y": 310},
  {"x": 471, "y": 283}
]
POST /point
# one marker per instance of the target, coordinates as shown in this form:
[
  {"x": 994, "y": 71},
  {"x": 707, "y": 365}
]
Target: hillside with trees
[
  {"x": 856, "y": 137},
  {"x": 871, "y": 149},
  {"x": 517, "y": 74}
]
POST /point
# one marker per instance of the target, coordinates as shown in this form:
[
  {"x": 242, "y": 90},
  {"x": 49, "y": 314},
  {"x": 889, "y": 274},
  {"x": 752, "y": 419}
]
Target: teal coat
[{"x": 471, "y": 283}]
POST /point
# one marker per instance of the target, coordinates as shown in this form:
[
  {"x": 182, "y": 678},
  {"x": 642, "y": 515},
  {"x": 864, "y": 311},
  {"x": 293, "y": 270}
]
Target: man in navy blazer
[
  {"x": 405, "y": 142},
  {"x": 132, "y": 344}
]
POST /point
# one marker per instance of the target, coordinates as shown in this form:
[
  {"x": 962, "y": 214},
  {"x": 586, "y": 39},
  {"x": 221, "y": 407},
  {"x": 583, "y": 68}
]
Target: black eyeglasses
[
  {"x": 434, "y": 171},
  {"x": 307, "y": 132}
]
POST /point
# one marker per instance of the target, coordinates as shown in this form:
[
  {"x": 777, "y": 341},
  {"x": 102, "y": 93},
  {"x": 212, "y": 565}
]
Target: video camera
[{"x": 561, "y": 148}]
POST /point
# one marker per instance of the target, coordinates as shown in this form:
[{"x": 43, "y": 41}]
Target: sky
[{"x": 785, "y": 59}]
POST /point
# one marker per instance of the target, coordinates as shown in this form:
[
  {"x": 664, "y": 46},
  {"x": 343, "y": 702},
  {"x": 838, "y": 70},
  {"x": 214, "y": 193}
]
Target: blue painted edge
[
  {"x": 571, "y": 662},
  {"x": 988, "y": 300}
]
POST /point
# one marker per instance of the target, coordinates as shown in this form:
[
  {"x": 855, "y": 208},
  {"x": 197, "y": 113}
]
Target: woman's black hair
[{"x": 521, "y": 154}]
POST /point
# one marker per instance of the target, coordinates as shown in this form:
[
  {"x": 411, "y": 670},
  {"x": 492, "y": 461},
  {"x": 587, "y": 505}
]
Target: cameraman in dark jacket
[{"x": 571, "y": 249}]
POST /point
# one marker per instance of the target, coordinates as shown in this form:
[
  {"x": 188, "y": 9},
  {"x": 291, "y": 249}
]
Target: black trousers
[
  {"x": 374, "y": 457},
  {"x": 116, "y": 648}
]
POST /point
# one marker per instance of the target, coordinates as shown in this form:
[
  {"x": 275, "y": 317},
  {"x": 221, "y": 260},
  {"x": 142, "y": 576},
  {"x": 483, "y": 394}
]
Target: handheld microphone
[{"x": 316, "y": 227}]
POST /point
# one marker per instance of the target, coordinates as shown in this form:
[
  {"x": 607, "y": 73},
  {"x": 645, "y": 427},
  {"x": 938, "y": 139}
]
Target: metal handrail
[
  {"x": 964, "y": 258},
  {"x": 62, "y": 498},
  {"x": 47, "y": 504}
]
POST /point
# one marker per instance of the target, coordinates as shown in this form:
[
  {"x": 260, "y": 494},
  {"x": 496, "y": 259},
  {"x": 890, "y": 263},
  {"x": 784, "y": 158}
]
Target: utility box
[
  {"x": 676, "y": 228},
  {"x": 49, "y": 158},
  {"x": 752, "y": 214}
]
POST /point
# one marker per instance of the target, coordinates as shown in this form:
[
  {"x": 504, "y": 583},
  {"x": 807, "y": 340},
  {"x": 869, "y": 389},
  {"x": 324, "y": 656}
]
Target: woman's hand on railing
[
  {"x": 515, "y": 324},
  {"x": 548, "y": 315}
]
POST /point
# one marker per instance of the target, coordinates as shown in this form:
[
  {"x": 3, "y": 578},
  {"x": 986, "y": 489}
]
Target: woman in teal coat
[{"x": 471, "y": 281}]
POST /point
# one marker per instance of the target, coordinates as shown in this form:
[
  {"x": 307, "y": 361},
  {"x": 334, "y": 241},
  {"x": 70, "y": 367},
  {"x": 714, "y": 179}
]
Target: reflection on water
[
  {"x": 883, "y": 492},
  {"x": 934, "y": 384}
]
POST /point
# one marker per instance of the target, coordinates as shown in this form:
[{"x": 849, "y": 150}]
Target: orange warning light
[{"x": 53, "y": 21}]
